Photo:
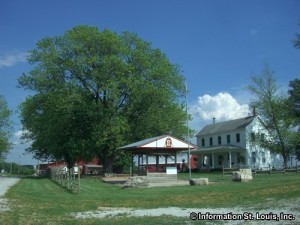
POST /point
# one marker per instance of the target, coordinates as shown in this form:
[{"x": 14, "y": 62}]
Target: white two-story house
[{"x": 232, "y": 144}]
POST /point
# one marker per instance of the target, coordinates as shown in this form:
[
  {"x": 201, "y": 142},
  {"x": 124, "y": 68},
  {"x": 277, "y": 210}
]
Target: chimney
[
  {"x": 254, "y": 111},
  {"x": 214, "y": 120}
]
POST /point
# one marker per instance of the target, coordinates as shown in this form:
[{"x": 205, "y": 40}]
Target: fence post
[
  {"x": 79, "y": 181},
  {"x": 223, "y": 172}
]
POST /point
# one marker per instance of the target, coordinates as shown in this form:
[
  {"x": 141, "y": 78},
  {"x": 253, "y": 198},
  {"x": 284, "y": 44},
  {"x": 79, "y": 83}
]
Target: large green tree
[
  {"x": 5, "y": 127},
  {"x": 272, "y": 106},
  {"x": 95, "y": 91}
]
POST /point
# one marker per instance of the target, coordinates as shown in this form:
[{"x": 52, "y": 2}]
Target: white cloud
[
  {"x": 222, "y": 106},
  {"x": 18, "y": 154},
  {"x": 11, "y": 59},
  {"x": 19, "y": 133}
]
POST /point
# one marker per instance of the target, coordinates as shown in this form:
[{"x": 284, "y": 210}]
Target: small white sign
[{"x": 171, "y": 170}]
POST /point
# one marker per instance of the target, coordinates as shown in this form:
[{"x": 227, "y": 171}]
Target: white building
[{"x": 232, "y": 144}]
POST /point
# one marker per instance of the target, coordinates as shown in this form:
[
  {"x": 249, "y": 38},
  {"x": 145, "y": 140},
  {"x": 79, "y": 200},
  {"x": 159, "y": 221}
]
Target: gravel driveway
[
  {"x": 5, "y": 184},
  {"x": 272, "y": 212}
]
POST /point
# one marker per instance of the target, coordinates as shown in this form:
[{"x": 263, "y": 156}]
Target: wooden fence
[
  {"x": 270, "y": 170},
  {"x": 68, "y": 179},
  {"x": 267, "y": 170}
]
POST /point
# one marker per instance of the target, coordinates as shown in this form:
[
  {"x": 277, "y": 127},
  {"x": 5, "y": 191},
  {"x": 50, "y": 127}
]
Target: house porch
[{"x": 221, "y": 156}]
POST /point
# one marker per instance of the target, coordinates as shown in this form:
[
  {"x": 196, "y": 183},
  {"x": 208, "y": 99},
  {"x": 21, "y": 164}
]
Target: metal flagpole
[{"x": 188, "y": 130}]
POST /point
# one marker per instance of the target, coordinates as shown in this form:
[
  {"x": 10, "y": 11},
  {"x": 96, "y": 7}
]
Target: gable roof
[
  {"x": 159, "y": 142},
  {"x": 227, "y": 126},
  {"x": 141, "y": 143}
]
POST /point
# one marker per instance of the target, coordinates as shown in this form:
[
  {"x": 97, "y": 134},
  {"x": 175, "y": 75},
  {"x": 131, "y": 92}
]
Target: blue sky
[{"x": 218, "y": 44}]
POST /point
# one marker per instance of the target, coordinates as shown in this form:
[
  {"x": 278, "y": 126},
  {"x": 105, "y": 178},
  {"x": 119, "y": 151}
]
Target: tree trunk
[
  {"x": 285, "y": 161},
  {"x": 107, "y": 164},
  {"x": 70, "y": 164}
]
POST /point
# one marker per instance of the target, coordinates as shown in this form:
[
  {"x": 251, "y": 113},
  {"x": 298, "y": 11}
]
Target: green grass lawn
[{"x": 41, "y": 201}]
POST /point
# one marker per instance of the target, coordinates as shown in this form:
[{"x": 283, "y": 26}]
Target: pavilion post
[
  {"x": 157, "y": 162},
  {"x": 132, "y": 164},
  {"x": 176, "y": 160},
  {"x": 166, "y": 162},
  {"x": 139, "y": 165},
  {"x": 147, "y": 164}
]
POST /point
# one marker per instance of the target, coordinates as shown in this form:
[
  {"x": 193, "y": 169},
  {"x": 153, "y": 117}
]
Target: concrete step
[{"x": 161, "y": 177}]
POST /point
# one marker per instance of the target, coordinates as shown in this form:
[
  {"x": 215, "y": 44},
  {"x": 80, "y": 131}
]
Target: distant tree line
[
  {"x": 5, "y": 128},
  {"x": 16, "y": 169}
]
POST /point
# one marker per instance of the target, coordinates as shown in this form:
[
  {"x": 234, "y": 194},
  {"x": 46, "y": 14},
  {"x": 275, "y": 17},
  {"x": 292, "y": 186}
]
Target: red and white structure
[{"x": 160, "y": 154}]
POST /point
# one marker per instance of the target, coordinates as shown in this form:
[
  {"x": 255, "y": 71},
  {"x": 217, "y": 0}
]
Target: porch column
[
  {"x": 212, "y": 160},
  {"x": 147, "y": 164},
  {"x": 139, "y": 159},
  {"x": 229, "y": 153}
]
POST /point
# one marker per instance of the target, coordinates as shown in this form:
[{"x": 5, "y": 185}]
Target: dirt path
[{"x": 5, "y": 184}]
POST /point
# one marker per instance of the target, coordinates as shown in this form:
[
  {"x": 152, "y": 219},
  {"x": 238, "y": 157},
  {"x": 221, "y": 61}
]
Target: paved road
[{"x": 6, "y": 183}]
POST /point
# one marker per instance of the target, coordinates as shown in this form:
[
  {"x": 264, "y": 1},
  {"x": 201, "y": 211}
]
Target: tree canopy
[
  {"x": 294, "y": 99},
  {"x": 5, "y": 127},
  {"x": 296, "y": 41},
  {"x": 96, "y": 91},
  {"x": 272, "y": 106}
]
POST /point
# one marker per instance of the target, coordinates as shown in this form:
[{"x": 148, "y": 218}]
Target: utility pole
[
  {"x": 3, "y": 165},
  {"x": 188, "y": 131}
]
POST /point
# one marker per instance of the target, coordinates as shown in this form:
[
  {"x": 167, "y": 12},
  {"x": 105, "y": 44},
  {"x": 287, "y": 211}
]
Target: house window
[
  {"x": 252, "y": 137},
  {"x": 253, "y": 157},
  {"x": 220, "y": 160},
  {"x": 262, "y": 136},
  {"x": 228, "y": 139},
  {"x": 203, "y": 142},
  {"x": 238, "y": 138},
  {"x": 219, "y": 140},
  {"x": 240, "y": 158},
  {"x": 211, "y": 141},
  {"x": 263, "y": 158}
]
